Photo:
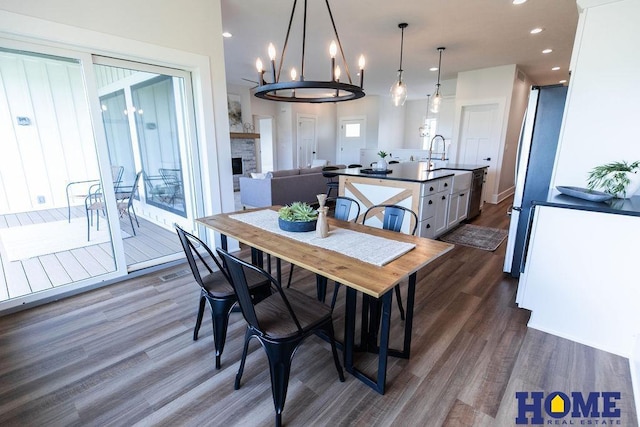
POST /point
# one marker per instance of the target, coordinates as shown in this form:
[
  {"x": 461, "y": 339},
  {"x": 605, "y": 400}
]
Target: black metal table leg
[
  {"x": 379, "y": 383},
  {"x": 321, "y": 287}
]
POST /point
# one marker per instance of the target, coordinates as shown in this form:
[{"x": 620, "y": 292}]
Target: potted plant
[
  {"x": 298, "y": 216},
  {"x": 382, "y": 163},
  {"x": 620, "y": 179}
]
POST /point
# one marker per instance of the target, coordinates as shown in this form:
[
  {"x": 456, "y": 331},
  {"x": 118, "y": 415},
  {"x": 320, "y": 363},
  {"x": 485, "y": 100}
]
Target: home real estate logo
[{"x": 558, "y": 408}]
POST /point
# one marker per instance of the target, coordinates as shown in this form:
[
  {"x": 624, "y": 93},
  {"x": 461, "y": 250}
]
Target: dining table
[{"x": 364, "y": 259}]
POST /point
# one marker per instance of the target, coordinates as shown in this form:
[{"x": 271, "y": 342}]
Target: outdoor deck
[{"x": 22, "y": 277}]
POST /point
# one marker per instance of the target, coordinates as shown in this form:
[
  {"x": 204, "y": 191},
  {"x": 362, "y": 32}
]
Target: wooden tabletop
[{"x": 362, "y": 276}]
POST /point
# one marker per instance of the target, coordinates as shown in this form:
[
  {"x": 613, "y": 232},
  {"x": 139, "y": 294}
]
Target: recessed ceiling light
[
  {"x": 555, "y": 68},
  {"x": 519, "y": 1},
  {"x": 562, "y": 81},
  {"x": 536, "y": 30},
  {"x": 227, "y": 34},
  {"x": 433, "y": 69},
  {"x": 547, "y": 51}
]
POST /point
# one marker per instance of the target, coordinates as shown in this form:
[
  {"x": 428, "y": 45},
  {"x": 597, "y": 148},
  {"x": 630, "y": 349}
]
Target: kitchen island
[
  {"x": 441, "y": 197},
  {"x": 580, "y": 279}
]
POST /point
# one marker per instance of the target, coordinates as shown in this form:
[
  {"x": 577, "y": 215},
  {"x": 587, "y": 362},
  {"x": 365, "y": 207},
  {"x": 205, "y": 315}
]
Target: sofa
[{"x": 283, "y": 187}]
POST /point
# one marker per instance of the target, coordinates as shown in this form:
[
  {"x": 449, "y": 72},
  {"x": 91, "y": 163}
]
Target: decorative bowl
[{"x": 297, "y": 226}]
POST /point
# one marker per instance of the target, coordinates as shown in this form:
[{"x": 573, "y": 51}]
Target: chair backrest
[
  {"x": 170, "y": 176},
  {"x": 116, "y": 175},
  {"x": 354, "y": 165},
  {"x": 194, "y": 247},
  {"x": 343, "y": 208},
  {"x": 393, "y": 162},
  {"x": 393, "y": 217},
  {"x": 134, "y": 189},
  {"x": 236, "y": 272}
]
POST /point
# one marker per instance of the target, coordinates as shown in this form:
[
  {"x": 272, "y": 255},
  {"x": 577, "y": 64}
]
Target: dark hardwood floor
[{"x": 124, "y": 355}]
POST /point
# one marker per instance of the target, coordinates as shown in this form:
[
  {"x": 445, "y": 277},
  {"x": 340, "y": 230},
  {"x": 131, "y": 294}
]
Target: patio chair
[
  {"x": 281, "y": 322},
  {"x": 172, "y": 179},
  {"x": 94, "y": 202},
  {"x": 215, "y": 288}
]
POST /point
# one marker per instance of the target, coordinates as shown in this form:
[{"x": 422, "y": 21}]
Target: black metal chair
[
  {"x": 393, "y": 218},
  {"x": 354, "y": 165},
  {"x": 393, "y": 162},
  {"x": 281, "y": 322},
  {"x": 215, "y": 287},
  {"x": 331, "y": 184}
]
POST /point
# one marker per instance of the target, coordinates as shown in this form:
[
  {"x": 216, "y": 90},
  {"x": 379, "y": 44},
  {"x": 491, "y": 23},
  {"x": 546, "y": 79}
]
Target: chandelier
[
  {"x": 298, "y": 89},
  {"x": 437, "y": 97}
]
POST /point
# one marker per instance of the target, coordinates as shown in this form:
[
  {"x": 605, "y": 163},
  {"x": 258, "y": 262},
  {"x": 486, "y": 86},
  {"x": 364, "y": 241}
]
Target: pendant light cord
[{"x": 402, "y": 27}]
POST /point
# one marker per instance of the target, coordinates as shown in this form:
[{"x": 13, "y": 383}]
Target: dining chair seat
[{"x": 274, "y": 319}]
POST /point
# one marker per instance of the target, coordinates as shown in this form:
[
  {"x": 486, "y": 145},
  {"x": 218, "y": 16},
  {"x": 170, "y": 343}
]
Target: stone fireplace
[{"x": 243, "y": 159}]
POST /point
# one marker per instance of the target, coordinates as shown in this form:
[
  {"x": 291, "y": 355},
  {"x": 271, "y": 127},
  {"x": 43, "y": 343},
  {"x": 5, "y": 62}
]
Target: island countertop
[{"x": 410, "y": 171}]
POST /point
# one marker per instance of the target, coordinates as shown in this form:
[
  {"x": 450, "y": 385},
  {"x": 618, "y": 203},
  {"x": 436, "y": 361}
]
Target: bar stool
[{"x": 331, "y": 184}]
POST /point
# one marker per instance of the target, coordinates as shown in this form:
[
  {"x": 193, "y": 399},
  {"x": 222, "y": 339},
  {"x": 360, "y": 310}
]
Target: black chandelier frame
[{"x": 341, "y": 91}]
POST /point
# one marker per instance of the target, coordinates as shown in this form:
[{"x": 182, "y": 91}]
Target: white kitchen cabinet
[
  {"x": 579, "y": 279},
  {"x": 441, "y": 211}
]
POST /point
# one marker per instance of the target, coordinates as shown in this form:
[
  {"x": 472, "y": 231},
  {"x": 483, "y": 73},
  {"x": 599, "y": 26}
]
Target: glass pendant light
[
  {"x": 437, "y": 97},
  {"x": 398, "y": 90}
]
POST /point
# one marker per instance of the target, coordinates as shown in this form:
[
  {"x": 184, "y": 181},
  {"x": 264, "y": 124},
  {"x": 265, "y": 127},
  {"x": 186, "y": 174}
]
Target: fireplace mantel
[{"x": 241, "y": 135}]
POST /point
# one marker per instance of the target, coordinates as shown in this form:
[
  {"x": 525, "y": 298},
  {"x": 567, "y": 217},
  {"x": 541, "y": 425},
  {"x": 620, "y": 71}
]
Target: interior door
[
  {"x": 352, "y": 139},
  {"x": 306, "y": 140},
  {"x": 479, "y": 141}
]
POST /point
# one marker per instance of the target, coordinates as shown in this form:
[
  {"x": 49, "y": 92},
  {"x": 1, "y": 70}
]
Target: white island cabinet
[
  {"x": 580, "y": 277},
  {"x": 440, "y": 198}
]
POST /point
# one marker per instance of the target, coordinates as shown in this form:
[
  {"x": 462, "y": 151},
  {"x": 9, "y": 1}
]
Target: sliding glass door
[
  {"x": 97, "y": 165},
  {"x": 146, "y": 113},
  {"x": 54, "y": 220}
]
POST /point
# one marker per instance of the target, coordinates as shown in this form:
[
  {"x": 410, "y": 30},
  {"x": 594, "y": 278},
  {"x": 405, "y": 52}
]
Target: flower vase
[
  {"x": 381, "y": 165},
  {"x": 632, "y": 188},
  {"x": 322, "y": 226}
]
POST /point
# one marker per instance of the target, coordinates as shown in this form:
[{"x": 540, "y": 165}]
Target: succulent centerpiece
[{"x": 298, "y": 216}]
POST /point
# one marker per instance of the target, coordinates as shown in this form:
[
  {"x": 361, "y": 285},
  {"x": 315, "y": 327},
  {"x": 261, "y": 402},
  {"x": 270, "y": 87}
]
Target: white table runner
[{"x": 365, "y": 247}]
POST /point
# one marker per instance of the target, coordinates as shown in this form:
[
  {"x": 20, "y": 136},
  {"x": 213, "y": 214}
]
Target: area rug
[
  {"x": 34, "y": 240},
  {"x": 475, "y": 236}
]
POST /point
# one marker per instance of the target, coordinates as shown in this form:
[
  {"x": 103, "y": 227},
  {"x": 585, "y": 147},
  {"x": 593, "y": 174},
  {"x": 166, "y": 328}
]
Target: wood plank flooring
[
  {"x": 124, "y": 355},
  {"x": 18, "y": 278}
]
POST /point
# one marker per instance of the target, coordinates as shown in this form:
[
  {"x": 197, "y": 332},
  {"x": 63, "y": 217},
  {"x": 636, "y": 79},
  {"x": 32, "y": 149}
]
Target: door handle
[{"x": 487, "y": 159}]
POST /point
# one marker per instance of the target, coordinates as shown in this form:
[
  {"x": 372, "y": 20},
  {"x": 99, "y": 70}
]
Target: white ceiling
[{"x": 476, "y": 33}]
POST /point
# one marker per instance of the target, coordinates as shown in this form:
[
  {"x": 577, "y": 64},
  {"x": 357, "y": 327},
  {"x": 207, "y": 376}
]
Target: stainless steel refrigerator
[{"x": 534, "y": 165}]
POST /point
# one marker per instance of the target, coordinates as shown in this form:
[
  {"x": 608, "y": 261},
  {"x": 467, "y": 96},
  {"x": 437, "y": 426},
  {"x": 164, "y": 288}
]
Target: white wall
[
  {"x": 391, "y": 126},
  {"x": 519, "y": 98},
  {"x": 367, "y": 106},
  {"x": 496, "y": 85},
  {"x": 601, "y": 117}
]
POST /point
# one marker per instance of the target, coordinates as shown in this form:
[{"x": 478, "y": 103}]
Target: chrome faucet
[{"x": 429, "y": 166}]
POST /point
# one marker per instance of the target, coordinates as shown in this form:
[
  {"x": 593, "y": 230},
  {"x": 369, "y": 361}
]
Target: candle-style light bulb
[
  {"x": 272, "y": 52},
  {"x": 260, "y": 69},
  {"x": 337, "y": 73},
  {"x": 294, "y": 74},
  {"x": 333, "y": 49},
  {"x": 361, "y": 65},
  {"x": 272, "y": 57}
]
